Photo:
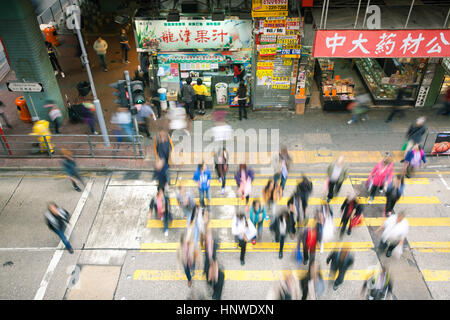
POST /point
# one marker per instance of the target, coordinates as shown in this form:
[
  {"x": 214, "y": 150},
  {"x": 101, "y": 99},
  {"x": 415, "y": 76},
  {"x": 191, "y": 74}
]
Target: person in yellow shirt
[{"x": 200, "y": 91}]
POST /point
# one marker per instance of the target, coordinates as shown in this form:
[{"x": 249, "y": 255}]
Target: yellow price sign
[{"x": 287, "y": 62}]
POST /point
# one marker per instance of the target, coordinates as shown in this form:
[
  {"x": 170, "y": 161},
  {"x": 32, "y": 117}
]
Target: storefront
[
  {"x": 385, "y": 61},
  {"x": 200, "y": 49}
]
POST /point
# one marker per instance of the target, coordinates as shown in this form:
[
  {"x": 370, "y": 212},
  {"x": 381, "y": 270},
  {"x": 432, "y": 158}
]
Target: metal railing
[
  {"x": 82, "y": 146},
  {"x": 54, "y": 12}
]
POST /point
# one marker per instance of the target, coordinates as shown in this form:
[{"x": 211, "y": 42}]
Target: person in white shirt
[
  {"x": 55, "y": 115},
  {"x": 100, "y": 47},
  {"x": 243, "y": 229},
  {"x": 395, "y": 229}
]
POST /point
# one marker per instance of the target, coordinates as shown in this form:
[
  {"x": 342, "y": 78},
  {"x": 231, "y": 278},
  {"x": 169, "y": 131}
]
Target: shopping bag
[
  {"x": 299, "y": 255},
  {"x": 397, "y": 252},
  {"x": 356, "y": 220},
  {"x": 250, "y": 233},
  {"x": 248, "y": 187},
  {"x": 404, "y": 146},
  {"x": 328, "y": 230}
]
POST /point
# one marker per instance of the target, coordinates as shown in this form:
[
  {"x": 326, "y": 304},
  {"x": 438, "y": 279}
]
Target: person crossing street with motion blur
[
  {"x": 257, "y": 216},
  {"x": 360, "y": 108},
  {"x": 415, "y": 134},
  {"x": 340, "y": 262},
  {"x": 325, "y": 223},
  {"x": 287, "y": 288},
  {"x": 143, "y": 117},
  {"x": 221, "y": 161},
  {"x": 308, "y": 238},
  {"x": 187, "y": 255},
  {"x": 281, "y": 226},
  {"x": 351, "y": 213},
  {"x": 378, "y": 285},
  {"x": 398, "y": 104},
  {"x": 210, "y": 246},
  {"x": 162, "y": 173},
  {"x": 380, "y": 177},
  {"x": 413, "y": 160},
  {"x": 244, "y": 178},
  {"x": 161, "y": 206},
  {"x": 57, "y": 219},
  {"x": 70, "y": 168},
  {"x": 244, "y": 230},
  {"x": 55, "y": 115},
  {"x": 185, "y": 201},
  {"x": 304, "y": 189},
  {"x": 203, "y": 178},
  {"x": 337, "y": 173},
  {"x": 284, "y": 161},
  {"x": 2, "y": 114},
  {"x": 312, "y": 283},
  {"x": 216, "y": 279},
  {"x": 393, "y": 193},
  {"x": 163, "y": 146},
  {"x": 395, "y": 229},
  {"x": 271, "y": 195}
]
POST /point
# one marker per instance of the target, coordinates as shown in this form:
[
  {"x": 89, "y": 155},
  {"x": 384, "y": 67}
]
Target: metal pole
[
  {"x": 60, "y": 5},
  {"x": 52, "y": 14},
  {"x": 326, "y": 15},
  {"x": 357, "y": 15},
  {"x": 127, "y": 78},
  {"x": 409, "y": 13},
  {"x": 446, "y": 19},
  {"x": 98, "y": 107},
  {"x": 365, "y": 14},
  {"x": 323, "y": 11}
]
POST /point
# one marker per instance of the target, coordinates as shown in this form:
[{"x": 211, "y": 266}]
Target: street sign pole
[
  {"x": 98, "y": 107},
  {"x": 130, "y": 93}
]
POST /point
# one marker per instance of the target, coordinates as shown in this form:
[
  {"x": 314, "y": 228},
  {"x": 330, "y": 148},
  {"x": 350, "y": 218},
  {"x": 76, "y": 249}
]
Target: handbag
[
  {"x": 356, "y": 221},
  {"x": 404, "y": 146},
  {"x": 299, "y": 255}
]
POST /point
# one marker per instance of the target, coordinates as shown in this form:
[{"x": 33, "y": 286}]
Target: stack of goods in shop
[
  {"x": 326, "y": 68},
  {"x": 339, "y": 89},
  {"x": 304, "y": 78},
  {"x": 375, "y": 79}
]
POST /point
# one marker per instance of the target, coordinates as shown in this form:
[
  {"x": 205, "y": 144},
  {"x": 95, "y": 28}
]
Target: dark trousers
[
  {"x": 304, "y": 198},
  {"x": 308, "y": 253},
  {"x": 373, "y": 190},
  {"x": 333, "y": 189},
  {"x": 394, "y": 111},
  {"x": 54, "y": 61},
  {"x": 143, "y": 128},
  {"x": 340, "y": 278},
  {"x": 102, "y": 59},
  {"x": 124, "y": 54},
  {"x": 383, "y": 245},
  {"x": 390, "y": 203},
  {"x": 188, "y": 271},
  {"x": 243, "y": 245},
  {"x": 242, "y": 109},
  {"x": 218, "y": 286},
  {"x": 344, "y": 221},
  {"x": 189, "y": 106},
  {"x": 282, "y": 242},
  {"x": 56, "y": 126}
]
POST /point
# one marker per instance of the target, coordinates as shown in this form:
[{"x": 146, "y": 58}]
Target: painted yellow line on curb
[
  {"x": 370, "y": 222},
  {"x": 316, "y": 201},
  {"x": 270, "y": 275}
]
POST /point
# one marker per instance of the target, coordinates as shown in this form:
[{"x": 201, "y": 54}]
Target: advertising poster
[{"x": 442, "y": 144}]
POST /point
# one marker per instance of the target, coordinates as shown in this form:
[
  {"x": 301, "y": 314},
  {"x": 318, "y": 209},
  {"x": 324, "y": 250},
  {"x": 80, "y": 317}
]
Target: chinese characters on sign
[
  {"x": 267, "y": 8},
  {"x": 205, "y": 34},
  {"x": 382, "y": 43}
]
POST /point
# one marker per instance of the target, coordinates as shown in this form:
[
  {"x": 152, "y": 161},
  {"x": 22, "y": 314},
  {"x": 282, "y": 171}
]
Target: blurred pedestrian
[
  {"x": 210, "y": 246},
  {"x": 70, "y": 168},
  {"x": 185, "y": 201},
  {"x": 53, "y": 54},
  {"x": 242, "y": 99},
  {"x": 304, "y": 190},
  {"x": 271, "y": 195},
  {"x": 162, "y": 173},
  {"x": 123, "y": 118},
  {"x": 57, "y": 219},
  {"x": 194, "y": 223},
  {"x": 188, "y": 97},
  {"x": 244, "y": 231},
  {"x": 55, "y": 115},
  {"x": 395, "y": 229},
  {"x": 87, "y": 114},
  {"x": 221, "y": 161},
  {"x": 398, "y": 104},
  {"x": 177, "y": 119},
  {"x": 326, "y": 230},
  {"x": 360, "y": 107},
  {"x": 161, "y": 206},
  {"x": 3, "y": 115},
  {"x": 445, "y": 110},
  {"x": 100, "y": 46},
  {"x": 287, "y": 288},
  {"x": 244, "y": 178},
  {"x": 393, "y": 193},
  {"x": 216, "y": 279},
  {"x": 413, "y": 160},
  {"x": 41, "y": 129},
  {"x": 284, "y": 161},
  {"x": 312, "y": 283},
  {"x": 377, "y": 286},
  {"x": 415, "y": 134},
  {"x": 380, "y": 177},
  {"x": 124, "y": 45},
  {"x": 257, "y": 216},
  {"x": 203, "y": 178},
  {"x": 351, "y": 209},
  {"x": 280, "y": 227},
  {"x": 309, "y": 241},
  {"x": 163, "y": 146},
  {"x": 340, "y": 262},
  {"x": 187, "y": 255},
  {"x": 200, "y": 92},
  {"x": 337, "y": 173},
  {"x": 144, "y": 111}
]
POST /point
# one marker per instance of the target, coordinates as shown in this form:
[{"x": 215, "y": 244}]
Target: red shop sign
[{"x": 382, "y": 43}]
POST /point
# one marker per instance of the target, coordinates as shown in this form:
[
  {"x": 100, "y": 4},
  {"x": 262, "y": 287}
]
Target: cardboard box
[
  {"x": 172, "y": 97},
  {"x": 300, "y": 108}
]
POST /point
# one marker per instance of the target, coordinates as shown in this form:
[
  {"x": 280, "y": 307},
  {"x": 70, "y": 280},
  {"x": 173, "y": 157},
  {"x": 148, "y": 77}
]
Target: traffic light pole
[
  {"x": 130, "y": 93},
  {"x": 98, "y": 107}
]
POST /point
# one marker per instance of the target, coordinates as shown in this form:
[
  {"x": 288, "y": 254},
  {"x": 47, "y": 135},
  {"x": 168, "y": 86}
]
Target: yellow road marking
[
  {"x": 270, "y": 275},
  {"x": 317, "y": 201},
  {"x": 372, "y": 222}
]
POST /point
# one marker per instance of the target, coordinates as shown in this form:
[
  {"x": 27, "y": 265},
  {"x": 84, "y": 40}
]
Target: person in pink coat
[{"x": 380, "y": 175}]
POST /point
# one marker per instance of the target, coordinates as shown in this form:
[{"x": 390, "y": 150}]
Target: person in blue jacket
[
  {"x": 413, "y": 160},
  {"x": 203, "y": 178},
  {"x": 257, "y": 216}
]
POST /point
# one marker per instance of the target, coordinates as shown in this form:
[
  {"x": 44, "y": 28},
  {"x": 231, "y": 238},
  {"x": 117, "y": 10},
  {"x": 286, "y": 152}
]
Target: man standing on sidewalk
[
  {"x": 100, "y": 47},
  {"x": 124, "y": 45}
]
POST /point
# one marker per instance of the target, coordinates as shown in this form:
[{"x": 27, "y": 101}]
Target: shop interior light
[{"x": 173, "y": 16}]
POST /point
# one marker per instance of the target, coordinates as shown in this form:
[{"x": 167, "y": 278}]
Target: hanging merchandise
[{"x": 222, "y": 93}]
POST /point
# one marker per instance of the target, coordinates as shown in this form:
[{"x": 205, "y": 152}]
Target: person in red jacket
[{"x": 381, "y": 175}]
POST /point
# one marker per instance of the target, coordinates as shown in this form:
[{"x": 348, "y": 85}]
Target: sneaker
[
  {"x": 280, "y": 255},
  {"x": 56, "y": 73},
  {"x": 388, "y": 253},
  {"x": 350, "y": 122},
  {"x": 254, "y": 241},
  {"x": 105, "y": 70},
  {"x": 77, "y": 188},
  {"x": 335, "y": 287},
  {"x": 63, "y": 75},
  {"x": 127, "y": 61},
  {"x": 189, "y": 284},
  {"x": 242, "y": 262},
  {"x": 71, "y": 251},
  {"x": 95, "y": 132},
  {"x": 370, "y": 201},
  {"x": 223, "y": 191},
  {"x": 349, "y": 231},
  {"x": 166, "y": 233}
]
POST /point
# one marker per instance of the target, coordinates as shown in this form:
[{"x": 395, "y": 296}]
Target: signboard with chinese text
[
  {"x": 382, "y": 43},
  {"x": 293, "y": 24},
  {"x": 264, "y": 68},
  {"x": 204, "y": 57},
  {"x": 194, "y": 34},
  {"x": 268, "y": 38},
  {"x": 25, "y": 86},
  {"x": 276, "y": 27},
  {"x": 281, "y": 83},
  {"x": 268, "y": 8},
  {"x": 267, "y": 49}
]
